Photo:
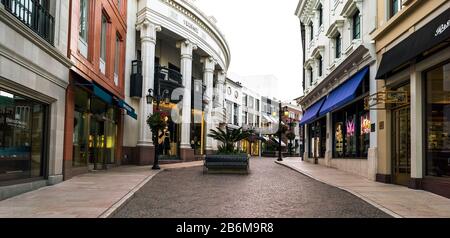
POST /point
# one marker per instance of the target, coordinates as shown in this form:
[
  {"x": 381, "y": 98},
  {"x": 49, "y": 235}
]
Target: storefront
[
  {"x": 96, "y": 125},
  {"x": 23, "y": 138},
  {"x": 420, "y": 125}
]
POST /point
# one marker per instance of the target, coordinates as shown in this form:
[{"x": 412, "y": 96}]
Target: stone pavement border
[{"x": 387, "y": 197}]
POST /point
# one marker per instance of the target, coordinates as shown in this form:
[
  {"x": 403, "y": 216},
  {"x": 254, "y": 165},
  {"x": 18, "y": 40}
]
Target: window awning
[
  {"x": 429, "y": 36},
  {"x": 344, "y": 93},
  {"x": 130, "y": 110},
  {"x": 312, "y": 112},
  {"x": 102, "y": 94}
]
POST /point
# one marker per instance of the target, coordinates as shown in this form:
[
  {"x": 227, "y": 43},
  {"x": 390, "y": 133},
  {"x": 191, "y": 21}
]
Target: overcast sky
[{"x": 264, "y": 38}]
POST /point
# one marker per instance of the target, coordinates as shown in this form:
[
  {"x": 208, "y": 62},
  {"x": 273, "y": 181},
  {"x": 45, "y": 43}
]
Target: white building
[
  {"x": 193, "y": 56},
  {"x": 340, "y": 68},
  {"x": 34, "y": 75},
  {"x": 233, "y": 103},
  {"x": 251, "y": 109}
]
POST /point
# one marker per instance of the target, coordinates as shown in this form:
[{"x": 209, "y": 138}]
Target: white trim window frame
[{"x": 83, "y": 31}]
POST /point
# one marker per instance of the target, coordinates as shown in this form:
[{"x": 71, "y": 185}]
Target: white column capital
[
  {"x": 187, "y": 47},
  {"x": 148, "y": 30},
  {"x": 209, "y": 63}
]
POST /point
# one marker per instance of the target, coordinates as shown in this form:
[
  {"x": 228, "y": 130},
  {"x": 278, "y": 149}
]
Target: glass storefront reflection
[
  {"x": 438, "y": 121},
  {"x": 22, "y": 128}
]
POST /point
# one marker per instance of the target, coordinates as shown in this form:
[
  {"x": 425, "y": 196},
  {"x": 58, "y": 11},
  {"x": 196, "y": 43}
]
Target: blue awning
[
  {"x": 344, "y": 93},
  {"x": 102, "y": 94},
  {"x": 312, "y": 112},
  {"x": 130, "y": 110}
]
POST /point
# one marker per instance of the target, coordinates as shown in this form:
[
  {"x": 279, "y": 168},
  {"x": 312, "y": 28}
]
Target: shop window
[
  {"x": 317, "y": 138},
  {"x": 351, "y": 132},
  {"x": 81, "y": 128},
  {"x": 438, "y": 122},
  {"x": 22, "y": 137}
]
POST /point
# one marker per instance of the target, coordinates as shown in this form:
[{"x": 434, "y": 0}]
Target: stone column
[
  {"x": 417, "y": 146},
  {"x": 219, "y": 104},
  {"x": 208, "y": 78},
  {"x": 306, "y": 144},
  {"x": 186, "y": 47},
  {"x": 145, "y": 145},
  {"x": 329, "y": 141}
]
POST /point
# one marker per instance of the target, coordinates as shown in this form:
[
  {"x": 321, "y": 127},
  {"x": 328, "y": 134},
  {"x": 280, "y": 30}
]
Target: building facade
[
  {"x": 179, "y": 53},
  {"x": 413, "y": 94},
  {"x": 340, "y": 67},
  {"x": 95, "y": 106},
  {"x": 292, "y": 138},
  {"x": 34, "y": 74},
  {"x": 251, "y": 119},
  {"x": 233, "y": 103}
]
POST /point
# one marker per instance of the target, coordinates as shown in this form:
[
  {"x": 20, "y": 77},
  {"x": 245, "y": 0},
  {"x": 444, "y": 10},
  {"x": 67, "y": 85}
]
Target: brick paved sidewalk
[
  {"x": 395, "y": 200},
  {"x": 96, "y": 194}
]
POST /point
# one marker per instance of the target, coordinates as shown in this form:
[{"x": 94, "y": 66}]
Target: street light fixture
[
  {"x": 281, "y": 112},
  {"x": 158, "y": 98}
]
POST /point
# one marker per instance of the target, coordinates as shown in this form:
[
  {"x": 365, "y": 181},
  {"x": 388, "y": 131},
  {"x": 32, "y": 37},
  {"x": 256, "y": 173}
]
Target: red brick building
[{"x": 94, "y": 98}]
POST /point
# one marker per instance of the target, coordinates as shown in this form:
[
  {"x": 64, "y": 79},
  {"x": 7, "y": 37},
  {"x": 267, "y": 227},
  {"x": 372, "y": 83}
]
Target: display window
[
  {"x": 23, "y": 124},
  {"x": 351, "y": 132},
  {"x": 438, "y": 121},
  {"x": 317, "y": 138}
]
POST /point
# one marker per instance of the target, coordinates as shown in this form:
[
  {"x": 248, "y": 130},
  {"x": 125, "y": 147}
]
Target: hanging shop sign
[{"x": 381, "y": 100}]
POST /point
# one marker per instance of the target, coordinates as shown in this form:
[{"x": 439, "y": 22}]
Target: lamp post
[
  {"x": 281, "y": 112},
  {"x": 157, "y": 98}
]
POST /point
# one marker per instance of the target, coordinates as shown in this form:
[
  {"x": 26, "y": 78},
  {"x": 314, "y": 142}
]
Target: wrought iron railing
[
  {"x": 170, "y": 75},
  {"x": 34, "y": 15}
]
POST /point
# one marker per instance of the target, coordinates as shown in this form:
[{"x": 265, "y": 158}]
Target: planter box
[{"x": 227, "y": 164}]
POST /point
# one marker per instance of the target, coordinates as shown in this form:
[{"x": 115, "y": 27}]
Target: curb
[
  {"x": 373, "y": 203},
  {"x": 125, "y": 199}
]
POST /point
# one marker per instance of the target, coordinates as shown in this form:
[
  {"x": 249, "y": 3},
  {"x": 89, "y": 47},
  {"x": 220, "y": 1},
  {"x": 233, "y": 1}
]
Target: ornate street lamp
[{"x": 158, "y": 98}]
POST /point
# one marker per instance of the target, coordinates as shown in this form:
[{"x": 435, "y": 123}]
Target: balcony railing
[
  {"x": 169, "y": 75},
  {"x": 34, "y": 15}
]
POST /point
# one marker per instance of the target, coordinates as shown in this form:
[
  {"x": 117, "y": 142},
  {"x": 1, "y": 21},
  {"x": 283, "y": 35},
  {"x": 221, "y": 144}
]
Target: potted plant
[
  {"x": 228, "y": 157},
  {"x": 157, "y": 122}
]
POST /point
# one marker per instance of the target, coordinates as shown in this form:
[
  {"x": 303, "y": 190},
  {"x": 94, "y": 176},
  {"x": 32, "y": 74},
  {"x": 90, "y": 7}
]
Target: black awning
[{"x": 427, "y": 37}]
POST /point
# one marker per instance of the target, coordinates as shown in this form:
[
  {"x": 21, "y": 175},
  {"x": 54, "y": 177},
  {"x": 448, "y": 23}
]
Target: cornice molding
[{"x": 334, "y": 28}]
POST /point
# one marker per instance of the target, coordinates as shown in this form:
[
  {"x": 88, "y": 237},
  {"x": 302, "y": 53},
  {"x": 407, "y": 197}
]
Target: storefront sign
[
  {"x": 442, "y": 28},
  {"x": 380, "y": 100}
]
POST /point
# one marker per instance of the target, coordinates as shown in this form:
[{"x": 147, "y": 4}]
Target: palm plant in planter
[
  {"x": 229, "y": 137},
  {"x": 228, "y": 158}
]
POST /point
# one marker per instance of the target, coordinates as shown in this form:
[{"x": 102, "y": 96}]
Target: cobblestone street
[{"x": 270, "y": 190}]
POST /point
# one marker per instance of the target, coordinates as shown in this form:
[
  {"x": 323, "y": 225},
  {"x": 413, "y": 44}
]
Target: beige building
[
  {"x": 413, "y": 94},
  {"x": 34, "y": 74}
]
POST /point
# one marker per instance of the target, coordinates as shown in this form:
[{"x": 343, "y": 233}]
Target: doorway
[
  {"x": 97, "y": 144},
  {"x": 401, "y": 153}
]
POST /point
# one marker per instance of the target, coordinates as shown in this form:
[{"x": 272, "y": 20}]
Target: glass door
[
  {"x": 401, "y": 145},
  {"x": 97, "y": 145}
]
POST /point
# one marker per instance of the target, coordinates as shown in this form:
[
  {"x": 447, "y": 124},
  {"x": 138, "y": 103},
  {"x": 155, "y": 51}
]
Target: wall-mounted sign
[{"x": 380, "y": 100}]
